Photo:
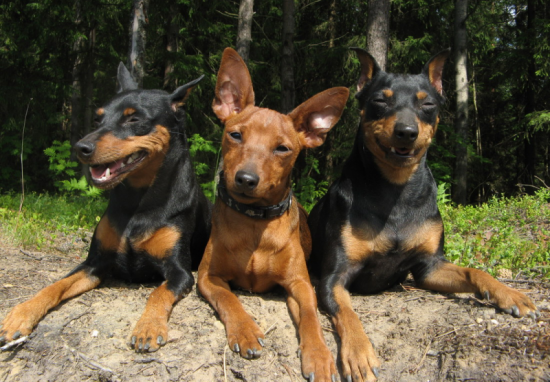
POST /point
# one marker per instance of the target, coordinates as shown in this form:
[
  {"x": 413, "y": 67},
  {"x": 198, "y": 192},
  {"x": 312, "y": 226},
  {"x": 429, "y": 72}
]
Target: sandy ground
[{"x": 418, "y": 335}]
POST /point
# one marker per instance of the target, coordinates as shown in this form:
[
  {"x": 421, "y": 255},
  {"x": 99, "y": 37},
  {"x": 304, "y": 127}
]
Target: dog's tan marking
[
  {"x": 129, "y": 111},
  {"x": 100, "y": 111},
  {"x": 160, "y": 243},
  {"x": 362, "y": 242},
  {"x": 107, "y": 236},
  {"x": 388, "y": 93},
  {"x": 421, "y": 95},
  {"x": 425, "y": 239}
]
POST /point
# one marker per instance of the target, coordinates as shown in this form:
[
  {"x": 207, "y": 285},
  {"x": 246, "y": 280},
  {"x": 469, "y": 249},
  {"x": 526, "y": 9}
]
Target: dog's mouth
[
  {"x": 402, "y": 152},
  {"x": 398, "y": 152},
  {"x": 106, "y": 174}
]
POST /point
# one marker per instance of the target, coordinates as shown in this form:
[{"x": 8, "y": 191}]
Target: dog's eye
[
  {"x": 282, "y": 149},
  {"x": 428, "y": 106},
  {"x": 380, "y": 102},
  {"x": 236, "y": 136},
  {"x": 133, "y": 119}
]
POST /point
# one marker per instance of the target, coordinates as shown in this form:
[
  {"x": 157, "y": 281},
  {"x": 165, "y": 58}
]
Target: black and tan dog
[
  {"x": 157, "y": 222},
  {"x": 260, "y": 237},
  {"x": 379, "y": 220}
]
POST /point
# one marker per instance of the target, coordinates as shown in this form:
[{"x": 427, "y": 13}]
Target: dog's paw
[
  {"x": 318, "y": 364},
  {"x": 149, "y": 335},
  {"x": 512, "y": 302},
  {"x": 359, "y": 361},
  {"x": 245, "y": 338},
  {"x": 19, "y": 322}
]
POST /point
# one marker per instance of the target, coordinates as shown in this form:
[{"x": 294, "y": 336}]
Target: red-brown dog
[{"x": 260, "y": 237}]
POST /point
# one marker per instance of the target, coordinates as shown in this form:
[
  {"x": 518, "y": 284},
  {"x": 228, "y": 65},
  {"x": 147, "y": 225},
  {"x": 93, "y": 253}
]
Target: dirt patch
[{"x": 418, "y": 335}]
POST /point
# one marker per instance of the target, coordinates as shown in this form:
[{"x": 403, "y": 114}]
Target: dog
[
  {"x": 259, "y": 234},
  {"x": 157, "y": 221},
  {"x": 379, "y": 221}
]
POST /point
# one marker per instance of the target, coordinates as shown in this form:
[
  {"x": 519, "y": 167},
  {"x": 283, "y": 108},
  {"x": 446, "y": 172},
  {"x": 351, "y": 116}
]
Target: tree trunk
[
  {"x": 171, "y": 47},
  {"x": 460, "y": 193},
  {"x": 378, "y": 30},
  {"x": 287, "y": 60},
  {"x": 244, "y": 29},
  {"x": 76, "y": 97},
  {"x": 530, "y": 146},
  {"x": 136, "y": 49}
]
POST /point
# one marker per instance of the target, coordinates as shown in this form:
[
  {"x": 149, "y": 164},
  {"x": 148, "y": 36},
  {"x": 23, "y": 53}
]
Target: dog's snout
[
  {"x": 246, "y": 181},
  {"x": 85, "y": 149},
  {"x": 406, "y": 133}
]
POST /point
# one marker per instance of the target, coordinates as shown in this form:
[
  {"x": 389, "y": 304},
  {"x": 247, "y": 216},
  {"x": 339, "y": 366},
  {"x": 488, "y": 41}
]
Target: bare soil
[{"x": 418, "y": 335}]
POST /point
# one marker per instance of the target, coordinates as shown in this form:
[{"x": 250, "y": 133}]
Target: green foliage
[
  {"x": 44, "y": 217},
  {"x": 198, "y": 145},
  {"x": 64, "y": 171},
  {"x": 308, "y": 191},
  {"x": 507, "y": 233}
]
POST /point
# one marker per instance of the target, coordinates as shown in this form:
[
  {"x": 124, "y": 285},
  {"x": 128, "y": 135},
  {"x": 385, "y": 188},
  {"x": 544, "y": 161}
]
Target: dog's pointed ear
[
  {"x": 434, "y": 69},
  {"x": 369, "y": 67},
  {"x": 234, "y": 89},
  {"x": 180, "y": 95},
  {"x": 316, "y": 116},
  {"x": 125, "y": 80}
]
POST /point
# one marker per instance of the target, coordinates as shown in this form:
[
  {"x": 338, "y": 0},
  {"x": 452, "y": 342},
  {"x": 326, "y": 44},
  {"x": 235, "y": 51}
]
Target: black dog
[
  {"x": 379, "y": 220},
  {"x": 157, "y": 222}
]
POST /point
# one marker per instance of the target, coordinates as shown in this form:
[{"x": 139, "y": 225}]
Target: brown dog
[{"x": 260, "y": 236}]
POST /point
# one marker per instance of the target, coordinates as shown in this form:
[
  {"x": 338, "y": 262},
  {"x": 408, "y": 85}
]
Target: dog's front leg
[
  {"x": 317, "y": 361},
  {"x": 151, "y": 331},
  {"x": 244, "y": 336},
  {"x": 359, "y": 360},
  {"x": 450, "y": 278},
  {"x": 24, "y": 317}
]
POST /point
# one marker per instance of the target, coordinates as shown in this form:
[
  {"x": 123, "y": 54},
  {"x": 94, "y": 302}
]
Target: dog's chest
[{"x": 396, "y": 236}]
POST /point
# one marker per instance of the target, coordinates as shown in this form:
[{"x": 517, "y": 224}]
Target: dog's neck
[{"x": 257, "y": 212}]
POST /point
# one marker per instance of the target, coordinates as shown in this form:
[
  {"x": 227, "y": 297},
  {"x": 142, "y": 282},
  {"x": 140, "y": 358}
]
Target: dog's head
[
  {"x": 399, "y": 113},
  {"x": 133, "y": 134},
  {"x": 259, "y": 145}
]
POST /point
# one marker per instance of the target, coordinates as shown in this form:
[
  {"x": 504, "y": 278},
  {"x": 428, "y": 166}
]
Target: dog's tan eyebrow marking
[
  {"x": 129, "y": 111},
  {"x": 387, "y": 92},
  {"x": 421, "y": 95},
  {"x": 100, "y": 111}
]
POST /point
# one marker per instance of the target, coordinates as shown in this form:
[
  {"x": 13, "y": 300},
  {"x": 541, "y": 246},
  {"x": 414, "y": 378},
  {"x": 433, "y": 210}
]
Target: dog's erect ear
[
  {"x": 369, "y": 67},
  {"x": 180, "y": 95},
  {"x": 316, "y": 116},
  {"x": 234, "y": 86},
  {"x": 434, "y": 69},
  {"x": 125, "y": 80}
]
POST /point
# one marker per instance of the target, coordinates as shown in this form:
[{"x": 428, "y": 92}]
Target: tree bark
[
  {"x": 287, "y": 60},
  {"x": 460, "y": 194},
  {"x": 136, "y": 49},
  {"x": 244, "y": 29},
  {"x": 530, "y": 142},
  {"x": 76, "y": 97},
  {"x": 171, "y": 46},
  {"x": 378, "y": 30}
]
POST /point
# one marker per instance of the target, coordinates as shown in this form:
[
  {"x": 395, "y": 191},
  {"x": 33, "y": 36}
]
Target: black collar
[{"x": 258, "y": 212}]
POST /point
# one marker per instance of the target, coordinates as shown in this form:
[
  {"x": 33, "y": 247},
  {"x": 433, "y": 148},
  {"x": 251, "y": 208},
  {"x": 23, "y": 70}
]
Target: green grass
[
  {"x": 505, "y": 233},
  {"x": 44, "y": 217}
]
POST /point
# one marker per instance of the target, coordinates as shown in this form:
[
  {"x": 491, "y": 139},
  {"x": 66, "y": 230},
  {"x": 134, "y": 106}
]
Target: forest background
[{"x": 58, "y": 61}]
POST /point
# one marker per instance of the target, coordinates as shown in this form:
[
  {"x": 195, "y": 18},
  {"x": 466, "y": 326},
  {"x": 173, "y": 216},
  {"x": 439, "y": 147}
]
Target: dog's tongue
[
  {"x": 100, "y": 171},
  {"x": 402, "y": 151}
]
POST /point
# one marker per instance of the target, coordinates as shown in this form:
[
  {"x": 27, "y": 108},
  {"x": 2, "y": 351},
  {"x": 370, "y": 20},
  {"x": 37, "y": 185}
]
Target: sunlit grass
[
  {"x": 45, "y": 216},
  {"x": 505, "y": 233}
]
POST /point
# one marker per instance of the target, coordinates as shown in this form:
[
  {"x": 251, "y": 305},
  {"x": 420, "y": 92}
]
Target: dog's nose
[
  {"x": 246, "y": 181},
  {"x": 84, "y": 148},
  {"x": 406, "y": 133}
]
